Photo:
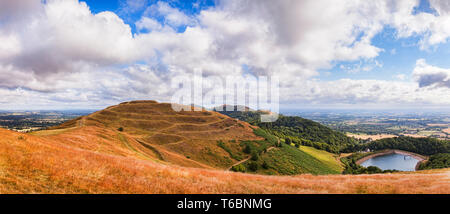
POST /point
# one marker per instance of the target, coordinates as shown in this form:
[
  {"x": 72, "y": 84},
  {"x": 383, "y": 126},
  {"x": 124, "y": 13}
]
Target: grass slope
[
  {"x": 298, "y": 130},
  {"x": 289, "y": 160},
  {"x": 186, "y": 138},
  {"x": 331, "y": 160},
  {"x": 92, "y": 161}
]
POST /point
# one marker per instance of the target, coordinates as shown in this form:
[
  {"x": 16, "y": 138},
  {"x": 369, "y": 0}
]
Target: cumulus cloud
[
  {"x": 428, "y": 75},
  {"x": 171, "y": 16},
  {"x": 435, "y": 28},
  {"x": 62, "y": 52}
]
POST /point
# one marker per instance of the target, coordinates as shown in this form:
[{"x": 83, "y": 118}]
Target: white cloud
[
  {"x": 172, "y": 16},
  {"x": 400, "y": 76},
  {"x": 435, "y": 28},
  {"x": 149, "y": 24},
  {"x": 62, "y": 52},
  {"x": 431, "y": 76}
]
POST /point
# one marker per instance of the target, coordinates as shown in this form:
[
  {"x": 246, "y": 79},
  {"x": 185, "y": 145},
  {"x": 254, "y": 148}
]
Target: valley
[{"x": 379, "y": 124}]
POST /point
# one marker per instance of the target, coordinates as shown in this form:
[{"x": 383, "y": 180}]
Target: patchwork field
[{"x": 373, "y": 137}]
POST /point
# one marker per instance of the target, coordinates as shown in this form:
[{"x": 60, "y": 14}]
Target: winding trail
[{"x": 246, "y": 159}]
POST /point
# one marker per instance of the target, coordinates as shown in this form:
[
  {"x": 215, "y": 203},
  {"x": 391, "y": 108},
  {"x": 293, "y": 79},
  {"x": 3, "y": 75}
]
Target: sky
[{"x": 71, "y": 54}]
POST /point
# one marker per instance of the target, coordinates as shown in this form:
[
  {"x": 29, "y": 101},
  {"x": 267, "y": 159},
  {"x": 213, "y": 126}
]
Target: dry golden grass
[
  {"x": 187, "y": 138},
  {"x": 31, "y": 164},
  {"x": 91, "y": 156}
]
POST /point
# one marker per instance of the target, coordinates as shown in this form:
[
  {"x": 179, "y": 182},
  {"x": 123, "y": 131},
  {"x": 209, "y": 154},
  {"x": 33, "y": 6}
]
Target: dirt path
[
  {"x": 246, "y": 159},
  {"x": 242, "y": 161}
]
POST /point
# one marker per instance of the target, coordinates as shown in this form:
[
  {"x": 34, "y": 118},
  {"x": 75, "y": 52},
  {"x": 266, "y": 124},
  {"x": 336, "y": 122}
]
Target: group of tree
[
  {"x": 437, "y": 161},
  {"x": 423, "y": 146},
  {"x": 299, "y": 131}
]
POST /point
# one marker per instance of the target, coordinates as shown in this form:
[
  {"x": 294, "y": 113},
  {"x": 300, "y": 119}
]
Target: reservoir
[{"x": 395, "y": 161}]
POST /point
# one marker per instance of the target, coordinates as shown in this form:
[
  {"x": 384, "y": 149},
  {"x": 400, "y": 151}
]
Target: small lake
[{"x": 392, "y": 161}]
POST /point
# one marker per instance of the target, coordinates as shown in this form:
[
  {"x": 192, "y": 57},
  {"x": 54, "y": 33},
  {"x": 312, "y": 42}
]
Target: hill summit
[{"x": 185, "y": 138}]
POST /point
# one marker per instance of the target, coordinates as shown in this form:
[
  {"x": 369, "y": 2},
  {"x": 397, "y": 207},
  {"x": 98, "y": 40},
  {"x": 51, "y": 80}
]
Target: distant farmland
[{"x": 373, "y": 137}]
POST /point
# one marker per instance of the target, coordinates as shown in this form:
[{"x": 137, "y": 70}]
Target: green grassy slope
[
  {"x": 288, "y": 160},
  {"x": 299, "y": 131},
  {"x": 331, "y": 160}
]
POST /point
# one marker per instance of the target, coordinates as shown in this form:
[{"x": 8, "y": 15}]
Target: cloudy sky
[{"x": 70, "y": 54}]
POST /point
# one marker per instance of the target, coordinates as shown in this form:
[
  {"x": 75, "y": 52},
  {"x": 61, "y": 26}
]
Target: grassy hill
[
  {"x": 155, "y": 130},
  {"x": 145, "y": 147},
  {"x": 202, "y": 139},
  {"x": 89, "y": 164}
]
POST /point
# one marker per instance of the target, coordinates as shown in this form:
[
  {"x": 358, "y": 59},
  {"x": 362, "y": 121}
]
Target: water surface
[{"x": 392, "y": 161}]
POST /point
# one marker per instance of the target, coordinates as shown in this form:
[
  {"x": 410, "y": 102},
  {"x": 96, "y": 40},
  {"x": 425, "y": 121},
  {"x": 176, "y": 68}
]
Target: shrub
[
  {"x": 247, "y": 149},
  {"x": 255, "y": 156},
  {"x": 265, "y": 165},
  {"x": 238, "y": 168},
  {"x": 253, "y": 166}
]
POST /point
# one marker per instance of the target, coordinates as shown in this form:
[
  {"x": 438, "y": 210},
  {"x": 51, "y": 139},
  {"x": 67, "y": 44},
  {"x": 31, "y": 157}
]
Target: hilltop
[
  {"x": 146, "y": 147},
  {"x": 155, "y": 131}
]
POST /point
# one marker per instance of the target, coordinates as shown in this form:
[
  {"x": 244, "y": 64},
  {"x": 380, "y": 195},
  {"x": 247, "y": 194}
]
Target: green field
[
  {"x": 289, "y": 160},
  {"x": 327, "y": 158}
]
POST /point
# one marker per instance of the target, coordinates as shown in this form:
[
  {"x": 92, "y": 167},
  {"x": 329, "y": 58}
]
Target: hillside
[
  {"x": 299, "y": 131},
  {"x": 203, "y": 139},
  {"x": 33, "y": 164},
  {"x": 155, "y": 131},
  {"x": 145, "y": 147}
]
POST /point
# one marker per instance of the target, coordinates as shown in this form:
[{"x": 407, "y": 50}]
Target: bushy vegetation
[
  {"x": 288, "y": 160},
  {"x": 437, "y": 161},
  {"x": 423, "y": 146},
  {"x": 238, "y": 168},
  {"x": 222, "y": 145},
  {"x": 256, "y": 147},
  {"x": 299, "y": 131}
]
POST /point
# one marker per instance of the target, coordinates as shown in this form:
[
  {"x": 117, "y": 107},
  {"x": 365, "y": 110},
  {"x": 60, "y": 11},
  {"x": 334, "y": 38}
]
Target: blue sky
[
  {"x": 190, "y": 7},
  {"x": 398, "y": 57},
  {"x": 95, "y": 53}
]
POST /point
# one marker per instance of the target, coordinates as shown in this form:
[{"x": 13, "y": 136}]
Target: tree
[
  {"x": 288, "y": 141},
  {"x": 255, "y": 156},
  {"x": 265, "y": 165},
  {"x": 247, "y": 149},
  {"x": 253, "y": 166},
  {"x": 238, "y": 168},
  {"x": 373, "y": 170}
]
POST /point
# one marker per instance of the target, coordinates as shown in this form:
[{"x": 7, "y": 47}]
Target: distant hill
[{"x": 299, "y": 131}]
